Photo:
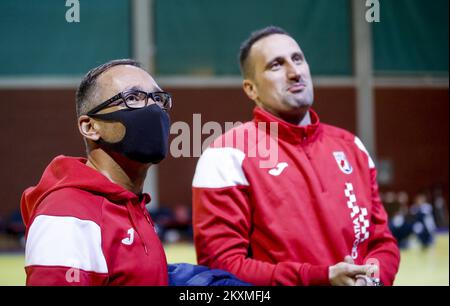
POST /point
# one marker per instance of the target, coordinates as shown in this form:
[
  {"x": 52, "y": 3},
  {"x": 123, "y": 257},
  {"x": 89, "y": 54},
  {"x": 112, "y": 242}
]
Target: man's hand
[
  {"x": 363, "y": 280},
  {"x": 344, "y": 273},
  {"x": 360, "y": 280}
]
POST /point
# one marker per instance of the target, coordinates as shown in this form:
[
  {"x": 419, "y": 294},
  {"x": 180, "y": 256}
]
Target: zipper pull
[{"x": 307, "y": 154}]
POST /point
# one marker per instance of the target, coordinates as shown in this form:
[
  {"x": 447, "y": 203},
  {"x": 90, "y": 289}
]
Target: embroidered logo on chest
[
  {"x": 342, "y": 162},
  {"x": 129, "y": 240},
  {"x": 278, "y": 169}
]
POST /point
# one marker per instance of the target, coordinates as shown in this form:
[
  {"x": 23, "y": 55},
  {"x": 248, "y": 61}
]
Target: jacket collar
[{"x": 287, "y": 131}]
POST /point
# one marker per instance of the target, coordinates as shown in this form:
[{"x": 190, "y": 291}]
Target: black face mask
[{"x": 146, "y": 137}]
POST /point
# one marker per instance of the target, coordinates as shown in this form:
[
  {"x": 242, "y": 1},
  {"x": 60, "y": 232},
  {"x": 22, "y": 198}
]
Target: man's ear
[
  {"x": 250, "y": 89},
  {"x": 88, "y": 128}
]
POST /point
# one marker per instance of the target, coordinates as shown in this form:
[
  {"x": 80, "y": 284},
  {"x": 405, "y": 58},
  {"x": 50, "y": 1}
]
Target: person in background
[
  {"x": 439, "y": 208},
  {"x": 423, "y": 220},
  {"x": 400, "y": 220}
]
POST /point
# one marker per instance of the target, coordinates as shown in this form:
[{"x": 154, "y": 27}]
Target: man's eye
[
  {"x": 297, "y": 59},
  {"x": 132, "y": 98},
  {"x": 275, "y": 65},
  {"x": 157, "y": 98}
]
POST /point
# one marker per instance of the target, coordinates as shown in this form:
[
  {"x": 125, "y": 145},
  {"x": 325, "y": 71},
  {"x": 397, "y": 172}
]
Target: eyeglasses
[{"x": 135, "y": 99}]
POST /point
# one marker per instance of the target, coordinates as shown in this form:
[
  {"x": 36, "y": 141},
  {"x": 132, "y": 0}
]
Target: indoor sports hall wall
[{"x": 412, "y": 133}]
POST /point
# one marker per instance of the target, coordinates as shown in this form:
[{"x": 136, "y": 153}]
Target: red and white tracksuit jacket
[
  {"x": 283, "y": 215},
  {"x": 82, "y": 229}
]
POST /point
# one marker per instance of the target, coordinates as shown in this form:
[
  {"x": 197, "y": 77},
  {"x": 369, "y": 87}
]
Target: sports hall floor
[{"x": 418, "y": 267}]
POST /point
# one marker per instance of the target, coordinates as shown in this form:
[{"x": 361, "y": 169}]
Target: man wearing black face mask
[{"x": 86, "y": 219}]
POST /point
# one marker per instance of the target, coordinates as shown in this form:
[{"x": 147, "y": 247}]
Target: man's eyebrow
[
  {"x": 275, "y": 59},
  {"x": 281, "y": 59},
  {"x": 135, "y": 88},
  {"x": 300, "y": 53},
  {"x": 139, "y": 88}
]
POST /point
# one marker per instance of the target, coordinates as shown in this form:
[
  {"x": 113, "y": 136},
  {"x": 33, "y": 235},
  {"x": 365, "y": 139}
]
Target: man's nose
[{"x": 293, "y": 71}]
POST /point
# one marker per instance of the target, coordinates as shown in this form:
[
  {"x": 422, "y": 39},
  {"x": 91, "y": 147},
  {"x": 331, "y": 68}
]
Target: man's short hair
[
  {"x": 85, "y": 90},
  {"x": 246, "y": 46}
]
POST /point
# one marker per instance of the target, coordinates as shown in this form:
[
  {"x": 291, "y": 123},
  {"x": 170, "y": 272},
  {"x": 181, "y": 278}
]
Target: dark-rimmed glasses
[{"x": 135, "y": 99}]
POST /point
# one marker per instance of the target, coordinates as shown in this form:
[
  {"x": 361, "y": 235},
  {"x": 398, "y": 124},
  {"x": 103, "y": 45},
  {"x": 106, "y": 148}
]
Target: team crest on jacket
[{"x": 342, "y": 162}]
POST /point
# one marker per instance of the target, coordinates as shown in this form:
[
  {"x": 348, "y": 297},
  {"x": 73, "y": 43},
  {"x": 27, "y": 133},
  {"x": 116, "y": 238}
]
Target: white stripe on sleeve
[
  {"x": 361, "y": 146},
  {"x": 219, "y": 168},
  {"x": 67, "y": 242}
]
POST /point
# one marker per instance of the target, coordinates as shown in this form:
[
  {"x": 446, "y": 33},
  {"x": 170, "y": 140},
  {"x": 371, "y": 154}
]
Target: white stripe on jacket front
[
  {"x": 67, "y": 242},
  {"x": 219, "y": 168}
]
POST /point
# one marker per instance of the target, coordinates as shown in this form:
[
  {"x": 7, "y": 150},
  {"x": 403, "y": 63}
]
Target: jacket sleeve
[
  {"x": 383, "y": 246},
  {"x": 63, "y": 250},
  {"x": 184, "y": 274},
  {"x": 222, "y": 225},
  {"x": 62, "y": 276}
]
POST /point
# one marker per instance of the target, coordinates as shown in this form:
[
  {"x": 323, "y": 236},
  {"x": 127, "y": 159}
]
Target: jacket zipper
[
  {"x": 131, "y": 211},
  {"x": 161, "y": 248},
  {"x": 322, "y": 188}
]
